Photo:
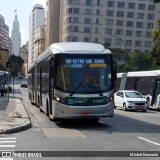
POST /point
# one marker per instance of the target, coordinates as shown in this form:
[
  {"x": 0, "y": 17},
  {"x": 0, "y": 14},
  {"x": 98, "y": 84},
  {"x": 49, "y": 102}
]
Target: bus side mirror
[
  {"x": 51, "y": 67},
  {"x": 115, "y": 70}
]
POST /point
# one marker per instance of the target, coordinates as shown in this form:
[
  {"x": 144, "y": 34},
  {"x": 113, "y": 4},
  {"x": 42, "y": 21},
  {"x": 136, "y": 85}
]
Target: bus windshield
[{"x": 84, "y": 73}]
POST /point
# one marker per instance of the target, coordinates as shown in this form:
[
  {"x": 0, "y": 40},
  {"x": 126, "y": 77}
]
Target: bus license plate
[{"x": 85, "y": 113}]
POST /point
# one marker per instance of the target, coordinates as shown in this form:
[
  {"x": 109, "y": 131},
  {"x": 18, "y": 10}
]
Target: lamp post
[{"x": 124, "y": 51}]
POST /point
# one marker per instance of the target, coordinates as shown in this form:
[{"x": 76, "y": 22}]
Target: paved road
[{"x": 127, "y": 131}]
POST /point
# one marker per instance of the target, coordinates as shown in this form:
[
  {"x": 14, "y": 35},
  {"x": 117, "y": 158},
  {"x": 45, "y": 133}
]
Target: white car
[{"x": 131, "y": 100}]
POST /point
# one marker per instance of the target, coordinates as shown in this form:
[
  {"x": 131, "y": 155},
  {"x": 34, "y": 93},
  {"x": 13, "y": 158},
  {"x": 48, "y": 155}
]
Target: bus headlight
[
  {"x": 60, "y": 99},
  {"x": 110, "y": 98}
]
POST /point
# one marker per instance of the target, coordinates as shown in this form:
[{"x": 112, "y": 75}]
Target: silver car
[{"x": 130, "y": 100}]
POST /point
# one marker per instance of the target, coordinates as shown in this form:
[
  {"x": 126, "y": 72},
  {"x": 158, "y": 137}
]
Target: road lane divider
[{"x": 147, "y": 140}]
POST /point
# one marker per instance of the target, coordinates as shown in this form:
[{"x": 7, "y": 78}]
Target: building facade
[
  {"x": 36, "y": 19},
  {"x": 4, "y": 55},
  {"x": 124, "y": 24},
  {"x": 39, "y": 41},
  {"x": 24, "y": 56},
  {"x": 15, "y": 37},
  {"x": 4, "y": 34}
]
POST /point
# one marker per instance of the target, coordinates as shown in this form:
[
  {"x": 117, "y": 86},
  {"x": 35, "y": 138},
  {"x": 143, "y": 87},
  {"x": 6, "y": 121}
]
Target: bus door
[{"x": 156, "y": 92}]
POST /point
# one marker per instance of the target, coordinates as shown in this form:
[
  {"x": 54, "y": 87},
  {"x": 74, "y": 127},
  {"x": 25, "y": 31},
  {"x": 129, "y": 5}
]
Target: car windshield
[
  {"x": 84, "y": 73},
  {"x": 133, "y": 95}
]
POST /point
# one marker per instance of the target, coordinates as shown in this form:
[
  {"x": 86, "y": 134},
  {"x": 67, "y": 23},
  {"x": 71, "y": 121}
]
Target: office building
[
  {"x": 36, "y": 19},
  {"x": 124, "y": 24}
]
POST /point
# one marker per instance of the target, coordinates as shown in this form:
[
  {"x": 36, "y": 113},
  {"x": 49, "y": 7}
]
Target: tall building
[
  {"x": 4, "y": 34},
  {"x": 124, "y": 24},
  {"x": 15, "y": 37},
  {"x": 36, "y": 19}
]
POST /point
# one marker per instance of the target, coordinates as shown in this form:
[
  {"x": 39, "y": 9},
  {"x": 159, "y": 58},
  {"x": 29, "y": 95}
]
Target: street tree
[
  {"x": 156, "y": 48},
  {"x": 16, "y": 64},
  {"x": 2, "y": 67}
]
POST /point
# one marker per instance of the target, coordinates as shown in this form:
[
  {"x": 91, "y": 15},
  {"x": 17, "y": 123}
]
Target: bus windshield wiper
[
  {"x": 79, "y": 85},
  {"x": 99, "y": 92}
]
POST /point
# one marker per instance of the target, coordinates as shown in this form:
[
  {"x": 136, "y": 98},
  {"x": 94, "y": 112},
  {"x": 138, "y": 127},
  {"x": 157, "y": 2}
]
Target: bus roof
[
  {"x": 81, "y": 47},
  {"x": 75, "y": 48},
  {"x": 141, "y": 73}
]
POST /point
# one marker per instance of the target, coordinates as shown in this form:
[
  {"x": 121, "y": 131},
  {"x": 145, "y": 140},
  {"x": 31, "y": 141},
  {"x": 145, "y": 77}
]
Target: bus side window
[{"x": 51, "y": 68}]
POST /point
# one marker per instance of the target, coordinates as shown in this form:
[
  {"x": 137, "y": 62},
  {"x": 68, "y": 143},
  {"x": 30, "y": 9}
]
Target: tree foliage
[
  {"x": 156, "y": 48},
  {"x": 16, "y": 64},
  {"x": 156, "y": 1}
]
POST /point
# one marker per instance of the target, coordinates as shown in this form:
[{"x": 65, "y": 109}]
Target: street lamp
[{"x": 124, "y": 50}]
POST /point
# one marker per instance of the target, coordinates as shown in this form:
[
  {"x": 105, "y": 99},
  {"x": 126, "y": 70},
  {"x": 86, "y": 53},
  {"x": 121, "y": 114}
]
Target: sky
[{"x": 24, "y": 9}]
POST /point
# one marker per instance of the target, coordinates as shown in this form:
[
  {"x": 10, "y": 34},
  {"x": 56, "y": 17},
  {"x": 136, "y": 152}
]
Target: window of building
[
  {"x": 109, "y": 13},
  {"x": 108, "y": 31},
  {"x": 129, "y": 23},
  {"x": 128, "y": 42},
  {"x": 119, "y": 32},
  {"x": 140, "y": 15},
  {"x": 130, "y": 14},
  {"x": 96, "y": 30},
  {"x": 88, "y": 11},
  {"x": 118, "y": 42},
  {"x": 141, "y": 6},
  {"x": 129, "y": 32},
  {"x": 97, "y": 20},
  {"x": 86, "y": 39},
  {"x": 110, "y": 4},
  {"x": 109, "y": 22},
  {"x": 146, "y": 51},
  {"x": 149, "y": 25},
  {"x": 139, "y": 33},
  {"x": 121, "y": 5},
  {"x": 128, "y": 50},
  {"x": 131, "y": 5},
  {"x": 98, "y": 2},
  {"x": 150, "y": 16},
  {"x": 148, "y": 44},
  {"x": 138, "y": 43},
  {"x": 120, "y": 13},
  {"x": 139, "y": 24},
  {"x": 75, "y": 19},
  {"x": 87, "y": 29},
  {"x": 119, "y": 23},
  {"x": 137, "y": 51},
  {"x": 88, "y": 2},
  {"x": 96, "y": 40},
  {"x": 148, "y": 34},
  {"x": 76, "y": 11},
  {"x": 151, "y": 7},
  {"x": 97, "y": 12},
  {"x": 74, "y": 1},
  {"x": 75, "y": 28},
  {"x": 87, "y": 20}
]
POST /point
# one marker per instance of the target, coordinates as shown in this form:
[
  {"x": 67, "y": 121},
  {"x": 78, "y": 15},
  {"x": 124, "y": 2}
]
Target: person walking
[{"x": 2, "y": 88}]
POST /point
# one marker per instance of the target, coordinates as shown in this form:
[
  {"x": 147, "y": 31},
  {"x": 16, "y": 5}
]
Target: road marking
[
  {"x": 6, "y": 138},
  {"x": 158, "y": 144},
  {"x": 7, "y": 145},
  {"x": 7, "y": 141}
]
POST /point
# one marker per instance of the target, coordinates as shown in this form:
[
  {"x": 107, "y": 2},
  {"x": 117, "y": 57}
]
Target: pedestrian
[{"x": 2, "y": 88}]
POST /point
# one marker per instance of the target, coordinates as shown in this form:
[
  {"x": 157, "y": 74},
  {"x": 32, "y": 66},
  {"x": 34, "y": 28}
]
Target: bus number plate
[{"x": 85, "y": 113}]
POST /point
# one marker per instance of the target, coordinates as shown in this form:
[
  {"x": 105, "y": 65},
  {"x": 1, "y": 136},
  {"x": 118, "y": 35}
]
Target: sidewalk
[{"x": 9, "y": 124}]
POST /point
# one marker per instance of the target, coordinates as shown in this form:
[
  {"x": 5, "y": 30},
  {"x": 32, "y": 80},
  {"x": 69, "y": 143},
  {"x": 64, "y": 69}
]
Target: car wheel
[
  {"x": 144, "y": 110},
  {"x": 124, "y": 106}
]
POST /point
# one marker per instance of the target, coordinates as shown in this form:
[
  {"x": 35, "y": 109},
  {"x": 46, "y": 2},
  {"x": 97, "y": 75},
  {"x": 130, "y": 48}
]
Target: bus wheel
[
  {"x": 39, "y": 105},
  {"x": 124, "y": 106}
]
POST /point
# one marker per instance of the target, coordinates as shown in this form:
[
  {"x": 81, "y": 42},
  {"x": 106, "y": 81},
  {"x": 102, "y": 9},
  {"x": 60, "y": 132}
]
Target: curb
[{"x": 23, "y": 127}]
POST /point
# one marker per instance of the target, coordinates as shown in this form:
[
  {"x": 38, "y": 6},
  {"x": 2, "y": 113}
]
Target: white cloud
[{"x": 24, "y": 36}]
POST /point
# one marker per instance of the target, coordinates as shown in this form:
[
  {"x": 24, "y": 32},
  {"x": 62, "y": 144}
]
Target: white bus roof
[
  {"x": 141, "y": 73},
  {"x": 81, "y": 47},
  {"x": 75, "y": 48}
]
